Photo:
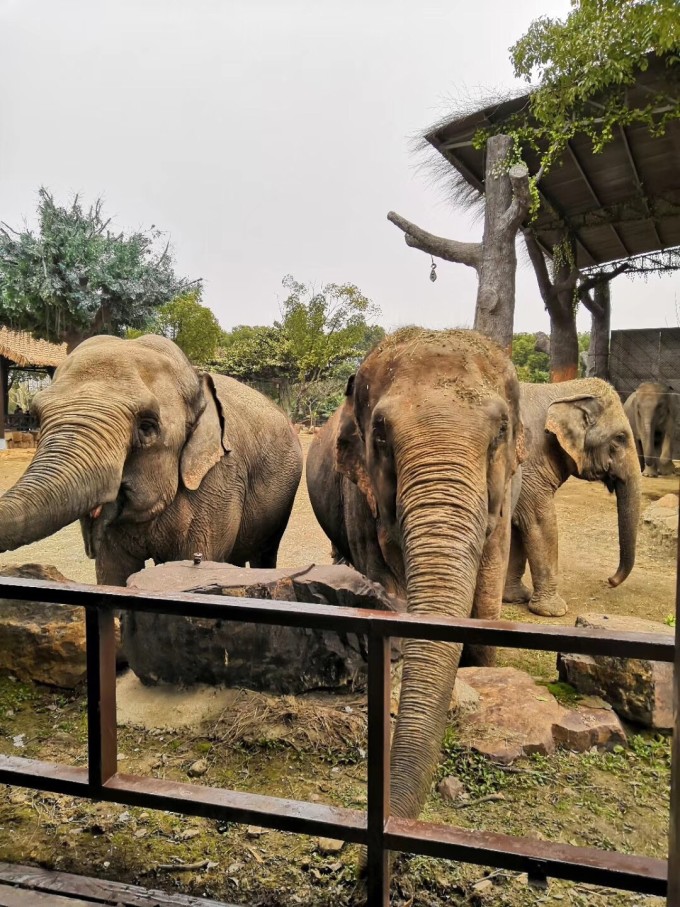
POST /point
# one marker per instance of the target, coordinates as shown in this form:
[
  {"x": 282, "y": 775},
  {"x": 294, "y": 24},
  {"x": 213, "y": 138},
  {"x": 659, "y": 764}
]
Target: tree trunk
[
  {"x": 563, "y": 339},
  {"x": 3, "y": 396},
  {"x": 600, "y": 311},
  {"x": 507, "y": 202},
  {"x": 495, "y": 309}
]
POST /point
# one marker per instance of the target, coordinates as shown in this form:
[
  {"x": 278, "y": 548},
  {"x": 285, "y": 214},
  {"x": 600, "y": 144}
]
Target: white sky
[{"x": 269, "y": 137}]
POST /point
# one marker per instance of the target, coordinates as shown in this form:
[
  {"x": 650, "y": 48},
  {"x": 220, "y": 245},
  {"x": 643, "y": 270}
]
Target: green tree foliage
[
  {"x": 305, "y": 358},
  {"x": 192, "y": 326},
  {"x": 73, "y": 277},
  {"x": 530, "y": 365},
  {"x": 596, "y": 53}
]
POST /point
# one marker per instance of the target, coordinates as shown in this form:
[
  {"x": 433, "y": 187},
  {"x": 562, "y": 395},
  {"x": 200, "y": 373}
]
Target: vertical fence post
[
  {"x": 100, "y": 635},
  {"x": 379, "y": 695},
  {"x": 674, "y": 834}
]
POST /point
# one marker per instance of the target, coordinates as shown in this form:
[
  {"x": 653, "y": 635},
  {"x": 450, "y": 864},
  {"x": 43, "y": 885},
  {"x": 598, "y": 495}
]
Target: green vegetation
[
  {"x": 531, "y": 365},
  {"x": 74, "y": 277},
  {"x": 304, "y": 359},
  {"x": 192, "y": 326},
  {"x": 596, "y": 52}
]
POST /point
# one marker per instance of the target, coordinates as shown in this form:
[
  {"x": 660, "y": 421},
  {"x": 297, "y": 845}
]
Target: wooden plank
[
  {"x": 33, "y": 879},
  {"x": 102, "y": 744},
  {"x": 20, "y": 897},
  {"x": 379, "y": 692}
]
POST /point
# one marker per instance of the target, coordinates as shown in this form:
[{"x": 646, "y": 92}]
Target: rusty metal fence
[{"x": 376, "y": 828}]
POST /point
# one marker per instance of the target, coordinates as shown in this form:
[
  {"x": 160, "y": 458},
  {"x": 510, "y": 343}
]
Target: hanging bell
[{"x": 433, "y": 271}]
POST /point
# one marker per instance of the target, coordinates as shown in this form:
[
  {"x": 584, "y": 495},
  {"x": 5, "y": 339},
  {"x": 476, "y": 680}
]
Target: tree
[
  {"x": 531, "y": 365},
  {"x": 585, "y": 64},
  {"x": 74, "y": 277},
  {"x": 305, "y": 358},
  {"x": 192, "y": 326},
  {"x": 507, "y": 203}
]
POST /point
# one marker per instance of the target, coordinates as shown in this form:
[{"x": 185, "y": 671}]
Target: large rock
[
  {"x": 188, "y": 650},
  {"x": 638, "y": 690},
  {"x": 515, "y": 716},
  {"x": 661, "y": 519},
  {"x": 42, "y": 642}
]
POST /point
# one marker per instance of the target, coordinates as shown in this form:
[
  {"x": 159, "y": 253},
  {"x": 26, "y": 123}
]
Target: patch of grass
[
  {"x": 564, "y": 693},
  {"x": 669, "y": 620}
]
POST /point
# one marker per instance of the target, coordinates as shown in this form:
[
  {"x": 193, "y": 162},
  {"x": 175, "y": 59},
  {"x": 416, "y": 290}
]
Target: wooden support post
[
  {"x": 100, "y": 637},
  {"x": 379, "y": 694},
  {"x": 3, "y": 396},
  {"x": 674, "y": 833}
]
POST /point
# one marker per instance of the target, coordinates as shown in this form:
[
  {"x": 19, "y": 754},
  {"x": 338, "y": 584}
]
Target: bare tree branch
[
  {"x": 537, "y": 257},
  {"x": 448, "y": 249}
]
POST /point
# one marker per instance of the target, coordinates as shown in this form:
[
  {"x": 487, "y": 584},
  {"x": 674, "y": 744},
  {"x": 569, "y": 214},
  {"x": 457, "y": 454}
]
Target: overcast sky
[{"x": 269, "y": 137}]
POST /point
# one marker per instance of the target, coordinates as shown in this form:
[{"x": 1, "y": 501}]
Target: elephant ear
[
  {"x": 349, "y": 449},
  {"x": 569, "y": 420},
  {"x": 207, "y": 443}
]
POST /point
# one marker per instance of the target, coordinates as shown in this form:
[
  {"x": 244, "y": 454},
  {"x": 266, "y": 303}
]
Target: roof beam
[
  {"x": 595, "y": 196},
  {"x": 638, "y": 183},
  {"x": 565, "y": 221}
]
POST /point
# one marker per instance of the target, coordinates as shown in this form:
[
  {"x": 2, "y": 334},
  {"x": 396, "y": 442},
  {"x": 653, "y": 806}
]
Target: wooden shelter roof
[
  {"x": 622, "y": 202},
  {"x": 24, "y": 350}
]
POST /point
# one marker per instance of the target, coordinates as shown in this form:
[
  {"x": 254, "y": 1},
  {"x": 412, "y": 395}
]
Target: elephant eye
[{"x": 147, "y": 429}]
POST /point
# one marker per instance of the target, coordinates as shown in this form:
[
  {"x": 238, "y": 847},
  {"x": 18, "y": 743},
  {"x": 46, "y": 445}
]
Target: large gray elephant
[
  {"x": 653, "y": 413},
  {"x": 411, "y": 481},
  {"x": 575, "y": 428},
  {"x": 156, "y": 461}
]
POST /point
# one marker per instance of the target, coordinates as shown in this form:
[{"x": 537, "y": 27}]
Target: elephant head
[
  {"x": 429, "y": 433},
  {"x": 121, "y": 425},
  {"x": 594, "y": 433}
]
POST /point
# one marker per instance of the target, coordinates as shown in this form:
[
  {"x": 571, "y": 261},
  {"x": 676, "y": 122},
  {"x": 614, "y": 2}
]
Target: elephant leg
[
  {"x": 540, "y": 540},
  {"x": 666, "y": 467},
  {"x": 489, "y": 589},
  {"x": 515, "y": 591}
]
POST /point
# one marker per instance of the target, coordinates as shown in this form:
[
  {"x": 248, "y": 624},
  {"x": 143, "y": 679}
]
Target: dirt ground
[{"x": 313, "y": 748}]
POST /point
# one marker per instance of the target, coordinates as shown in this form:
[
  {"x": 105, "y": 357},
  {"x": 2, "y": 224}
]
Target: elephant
[
  {"x": 574, "y": 428},
  {"x": 156, "y": 460},
  {"x": 411, "y": 481},
  {"x": 652, "y": 411}
]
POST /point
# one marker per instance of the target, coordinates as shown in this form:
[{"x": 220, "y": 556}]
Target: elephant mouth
[{"x": 610, "y": 482}]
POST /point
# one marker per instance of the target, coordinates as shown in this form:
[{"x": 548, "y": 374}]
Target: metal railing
[{"x": 376, "y": 828}]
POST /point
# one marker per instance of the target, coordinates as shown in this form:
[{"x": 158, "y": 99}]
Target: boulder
[
  {"x": 516, "y": 716},
  {"x": 42, "y": 642},
  {"x": 189, "y": 650},
  {"x": 638, "y": 690},
  {"x": 661, "y": 519}
]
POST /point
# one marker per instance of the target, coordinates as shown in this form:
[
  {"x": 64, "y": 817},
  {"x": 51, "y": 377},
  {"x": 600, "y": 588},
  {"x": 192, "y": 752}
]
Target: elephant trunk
[
  {"x": 442, "y": 512},
  {"x": 77, "y": 467},
  {"x": 628, "y": 509}
]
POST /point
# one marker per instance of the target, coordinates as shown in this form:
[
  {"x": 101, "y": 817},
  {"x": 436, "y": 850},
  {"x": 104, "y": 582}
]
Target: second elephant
[
  {"x": 652, "y": 411},
  {"x": 575, "y": 428}
]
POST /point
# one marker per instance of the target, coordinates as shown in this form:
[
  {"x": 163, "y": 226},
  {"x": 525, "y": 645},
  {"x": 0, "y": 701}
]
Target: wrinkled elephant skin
[
  {"x": 156, "y": 460},
  {"x": 575, "y": 428},
  {"x": 411, "y": 481}
]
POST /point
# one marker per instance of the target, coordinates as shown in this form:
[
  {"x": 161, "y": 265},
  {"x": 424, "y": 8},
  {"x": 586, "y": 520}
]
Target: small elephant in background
[
  {"x": 574, "y": 428},
  {"x": 653, "y": 413}
]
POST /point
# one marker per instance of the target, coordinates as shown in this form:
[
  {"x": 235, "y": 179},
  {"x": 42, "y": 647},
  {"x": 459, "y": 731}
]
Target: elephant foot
[
  {"x": 667, "y": 469},
  {"x": 554, "y": 606},
  {"x": 516, "y": 593},
  {"x": 650, "y": 472}
]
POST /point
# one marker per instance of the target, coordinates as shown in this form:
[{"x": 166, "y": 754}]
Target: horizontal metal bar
[
  {"x": 503, "y": 633},
  {"x": 563, "y": 861},
  {"x": 577, "y": 864},
  {"x": 190, "y": 799}
]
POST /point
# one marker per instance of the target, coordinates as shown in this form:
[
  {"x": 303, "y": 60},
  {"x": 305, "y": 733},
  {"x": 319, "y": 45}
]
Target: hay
[{"x": 303, "y": 722}]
